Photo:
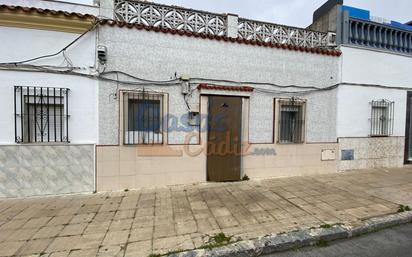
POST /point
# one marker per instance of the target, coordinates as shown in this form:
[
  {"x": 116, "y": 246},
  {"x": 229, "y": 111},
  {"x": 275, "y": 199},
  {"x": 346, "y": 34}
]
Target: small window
[
  {"x": 291, "y": 121},
  {"x": 143, "y": 123},
  {"x": 41, "y": 114},
  {"x": 382, "y": 113}
]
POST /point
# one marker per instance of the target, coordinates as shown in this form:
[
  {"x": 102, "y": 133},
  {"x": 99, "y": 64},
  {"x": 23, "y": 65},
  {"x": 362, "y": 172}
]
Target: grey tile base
[{"x": 33, "y": 170}]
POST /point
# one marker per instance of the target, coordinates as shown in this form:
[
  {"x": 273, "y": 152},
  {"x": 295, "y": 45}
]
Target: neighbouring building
[
  {"x": 159, "y": 95},
  {"x": 48, "y": 124},
  {"x": 373, "y": 99}
]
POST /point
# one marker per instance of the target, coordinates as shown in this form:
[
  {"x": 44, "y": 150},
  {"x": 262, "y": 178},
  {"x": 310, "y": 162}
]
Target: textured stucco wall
[
  {"x": 34, "y": 170},
  {"x": 261, "y": 118},
  {"x": 108, "y": 123},
  {"x": 321, "y": 117},
  {"x": 369, "y": 153},
  {"x": 109, "y": 112},
  {"x": 160, "y": 56},
  {"x": 106, "y": 8}
]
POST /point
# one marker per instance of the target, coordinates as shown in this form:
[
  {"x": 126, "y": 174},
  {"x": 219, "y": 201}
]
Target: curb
[{"x": 282, "y": 242}]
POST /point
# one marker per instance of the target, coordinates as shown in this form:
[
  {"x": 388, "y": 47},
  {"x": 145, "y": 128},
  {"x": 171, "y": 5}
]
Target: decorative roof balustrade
[
  {"x": 170, "y": 17},
  {"x": 377, "y": 35},
  {"x": 274, "y": 33},
  {"x": 177, "y": 18}
]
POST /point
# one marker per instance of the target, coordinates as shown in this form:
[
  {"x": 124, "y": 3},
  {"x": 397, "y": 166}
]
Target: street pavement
[{"x": 157, "y": 221}]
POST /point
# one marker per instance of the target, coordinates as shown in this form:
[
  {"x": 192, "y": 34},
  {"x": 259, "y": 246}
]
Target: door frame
[{"x": 407, "y": 127}]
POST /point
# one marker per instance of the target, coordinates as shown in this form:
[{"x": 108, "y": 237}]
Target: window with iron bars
[
  {"x": 143, "y": 118},
  {"x": 381, "y": 121},
  {"x": 41, "y": 114},
  {"x": 291, "y": 121}
]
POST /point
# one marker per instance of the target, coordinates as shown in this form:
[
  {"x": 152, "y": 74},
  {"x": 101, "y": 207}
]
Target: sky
[{"x": 294, "y": 12}]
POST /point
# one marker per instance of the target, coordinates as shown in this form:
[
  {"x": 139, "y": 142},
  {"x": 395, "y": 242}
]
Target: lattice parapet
[
  {"x": 274, "y": 33},
  {"x": 171, "y": 17}
]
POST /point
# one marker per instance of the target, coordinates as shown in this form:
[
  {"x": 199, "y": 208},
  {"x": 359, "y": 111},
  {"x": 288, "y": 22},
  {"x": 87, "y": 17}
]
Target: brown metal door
[{"x": 224, "y": 138}]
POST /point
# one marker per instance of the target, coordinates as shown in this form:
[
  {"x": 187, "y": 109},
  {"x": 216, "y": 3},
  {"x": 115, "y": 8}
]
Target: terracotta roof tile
[
  {"x": 45, "y": 11},
  {"x": 226, "y": 88},
  {"x": 173, "y": 31},
  {"x": 322, "y": 51}
]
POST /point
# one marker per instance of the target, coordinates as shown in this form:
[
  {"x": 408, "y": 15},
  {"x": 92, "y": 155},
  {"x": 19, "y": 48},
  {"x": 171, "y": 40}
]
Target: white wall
[
  {"x": 374, "y": 67},
  {"x": 19, "y": 44},
  {"x": 365, "y": 66},
  {"x": 82, "y": 103},
  {"x": 354, "y": 110}
]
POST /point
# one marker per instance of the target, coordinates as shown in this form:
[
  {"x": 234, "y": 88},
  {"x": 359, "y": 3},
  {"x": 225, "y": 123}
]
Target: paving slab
[{"x": 161, "y": 220}]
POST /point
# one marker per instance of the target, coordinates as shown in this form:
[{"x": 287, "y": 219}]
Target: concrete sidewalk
[{"x": 157, "y": 221}]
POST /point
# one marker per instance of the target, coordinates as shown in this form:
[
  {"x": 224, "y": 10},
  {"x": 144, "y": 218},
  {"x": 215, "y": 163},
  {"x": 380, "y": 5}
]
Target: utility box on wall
[
  {"x": 347, "y": 155},
  {"x": 328, "y": 155}
]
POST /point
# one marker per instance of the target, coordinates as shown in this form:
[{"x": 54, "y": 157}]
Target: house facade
[
  {"x": 192, "y": 70},
  {"x": 156, "y": 95},
  {"x": 48, "y": 105}
]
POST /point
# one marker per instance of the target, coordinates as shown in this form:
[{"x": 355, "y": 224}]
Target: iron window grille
[
  {"x": 381, "y": 121},
  {"x": 41, "y": 114},
  {"x": 143, "y": 118},
  {"x": 291, "y": 120}
]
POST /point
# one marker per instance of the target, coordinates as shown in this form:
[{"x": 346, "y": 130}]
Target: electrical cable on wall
[
  {"x": 58, "y": 52},
  {"x": 69, "y": 69},
  {"x": 176, "y": 82},
  {"x": 134, "y": 77},
  {"x": 68, "y": 61},
  {"x": 202, "y": 80},
  {"x": 35, "y": 68},
  {"x": 186, "y": 102}
]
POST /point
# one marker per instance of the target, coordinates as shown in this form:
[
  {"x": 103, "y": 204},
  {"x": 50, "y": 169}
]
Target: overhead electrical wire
[
  {"x": 174, "y": 82},
  {"x": 58, "y": 52},
  {"x": 145, "y": 82},
  {"x": 34, "y": 68},
  {"x": 69, "y": 69}
]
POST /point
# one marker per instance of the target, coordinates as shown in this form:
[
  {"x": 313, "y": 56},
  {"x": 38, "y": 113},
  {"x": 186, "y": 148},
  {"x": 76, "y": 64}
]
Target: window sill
[
  {"x": 290, "y": 143},
  {"x": 43, "y": 143},
  {"x": 142, "y": 144}
]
